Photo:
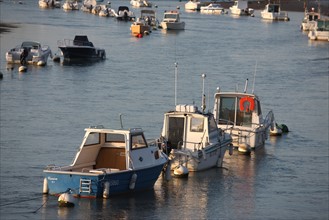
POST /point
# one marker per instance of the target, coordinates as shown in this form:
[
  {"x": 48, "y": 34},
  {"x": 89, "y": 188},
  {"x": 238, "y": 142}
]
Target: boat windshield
[
  {"x": 173, "y": 16},
  {"x": 138, "y": 141},
  {"x": 229, "y": 112}
]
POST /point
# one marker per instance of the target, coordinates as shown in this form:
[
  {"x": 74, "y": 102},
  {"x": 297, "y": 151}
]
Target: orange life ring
[{"x": 251, "y": 103}]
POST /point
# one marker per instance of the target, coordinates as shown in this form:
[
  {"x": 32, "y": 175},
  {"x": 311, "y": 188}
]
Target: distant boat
[
  {"x": 70, "y": 5},
  {"x": 29, "y": 52},
  {"x": 124, "y": 14},
  {"x": 171, "y": 21},
  {"x": 310, "y": 19},
  {"x": 273, "y": 12},
  {"x": 241, "y": 8},
  {"x": 108, "y": 162},
  {"x": 240, "y": 114},
  {"x": 320, "y": 31},
  {"x": 49, "y": 4},
  {"x": 193, "y": 5},
  {"x": 212, "y": 8},
  {"x": 80, "y": 49},
  {"x": 140, "y": 3}
]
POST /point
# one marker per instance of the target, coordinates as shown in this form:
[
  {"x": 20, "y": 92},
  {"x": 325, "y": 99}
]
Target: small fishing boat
[
  {"x": 193, "y": 5},
  {"x": 171, "y": 21},
  {"x": 29, "y": 52},
  {"x": 80, "y": 49},
  {"x": 240, "y": 7},
  {"x": 310, "y": 19},
  {"x": 140, "y": 27},
  {"x": 108, "y": 162},
  {"x": 192, "y": 139},
  {"x": 124, "y": 14},
  {"x": 240, "y": 114},
  {"x": 70, "y": 5},
  {"x": 140, "y": 3},
  {"x": 273, "y": 12},
  {"x": 320, "y": 31},
  {"x": 212, "y": 8},
  {"x": 88, "y": 5}
]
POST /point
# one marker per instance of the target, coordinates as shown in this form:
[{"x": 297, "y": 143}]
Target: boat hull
[
  {"x": 207, "y": 158},
  {"x": 91, "y": 185},
  {"x": 33, "y": 57},
  {"x": 137, "y": 29},
  {"x": 82, "y": 53},
  {"x": 173, "y": 25}
]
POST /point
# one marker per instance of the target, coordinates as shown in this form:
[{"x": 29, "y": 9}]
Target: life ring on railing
[{"x": 251, "y": 103}]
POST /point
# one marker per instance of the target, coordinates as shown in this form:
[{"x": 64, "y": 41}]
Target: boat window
[
  {"x": 115, "y": 138},
  {"x": 226, "y": 110},
  {"x": 197, "y": 124},
  {"x": 93, "y": 138},
  {"x": 138, "y": 141},
  {"x": 173, "y": 16},
  {"x": 259, "y": 109}
]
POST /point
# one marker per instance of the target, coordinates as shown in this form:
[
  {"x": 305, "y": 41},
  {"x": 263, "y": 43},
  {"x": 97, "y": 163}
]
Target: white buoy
[
  {"x": 45, "y": 186},
  {"x": 244, "y": 148},
  {"x": 22, "y": 69},
  {"x": 181, "y": 171},
  {"x": 66, "y": 200},
  {"x": 41, "y": 63},
  {"x": 106, "y": 191},
  {"x": 133, "y": 181}
]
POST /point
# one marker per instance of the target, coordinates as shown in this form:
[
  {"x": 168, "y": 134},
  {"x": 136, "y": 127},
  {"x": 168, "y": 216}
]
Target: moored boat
[
  {"x": 124, "y": 14},
  {"x": 49, "y": 4},
  {"x": 29, "y": 52},
  {"x": 192, "y": 139},
  {"x": 193, "y": 5},
  {"x": 80, "y": 49},
  {"x": 320, "y": 31},
  {"x": 70, "y": 5},
  {"x": 240, "y": 7},
  {"x": 171, "y": 21},
  {"x": 240, "y": 114},
  {"x": 140, "y": 3},
  {"x": 108, "y": 162},
  {"x": 212, "y": 8},
  {"x": 310, "y": 19},
  {"x": 273, "y": 12}
]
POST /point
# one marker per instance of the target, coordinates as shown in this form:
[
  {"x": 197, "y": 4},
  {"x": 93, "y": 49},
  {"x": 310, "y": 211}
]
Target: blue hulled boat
[{"x": 108, "y": 162}]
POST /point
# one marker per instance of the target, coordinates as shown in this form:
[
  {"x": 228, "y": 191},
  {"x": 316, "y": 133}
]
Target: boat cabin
[
  {"x": 111, "y": 150},
  {"x": 186, "y": 127},
  {"x": 82, "y": 40},
  {"x": 237, "y": 109}
]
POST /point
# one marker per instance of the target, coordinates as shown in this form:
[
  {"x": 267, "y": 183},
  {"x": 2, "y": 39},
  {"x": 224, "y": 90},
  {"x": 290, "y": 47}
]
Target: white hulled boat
[
  {"x": 310, "y": 19},
  {"x": 240, "y": 114},
  {"x": 273, "y": 12},
  {"x": 171, "y": 21},
  {"x": 193, "y": 5},
  {"x": 241, "y": 8},
  {"x": 320, "y": 31},
  {"x": 212, "y": 8}
]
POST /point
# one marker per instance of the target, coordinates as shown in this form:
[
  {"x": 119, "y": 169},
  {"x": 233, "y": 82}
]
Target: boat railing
[{"x": 186, "y": 144}]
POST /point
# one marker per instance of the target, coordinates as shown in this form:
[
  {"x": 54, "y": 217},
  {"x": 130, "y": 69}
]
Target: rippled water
[{"x": 44, "y": 112}]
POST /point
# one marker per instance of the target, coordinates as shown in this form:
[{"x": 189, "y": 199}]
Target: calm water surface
[{"x": 44, "y": 112}]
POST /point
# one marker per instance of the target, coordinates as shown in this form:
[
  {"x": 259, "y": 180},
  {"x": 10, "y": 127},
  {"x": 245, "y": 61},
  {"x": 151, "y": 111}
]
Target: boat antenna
[
  {"x": 246, "y": 86},
  {"x": 120, "y": 115},
  {"x": 253, "y": 83},
  {"x": 203, "y": 106},
  {"x": 176, "y": 64}
]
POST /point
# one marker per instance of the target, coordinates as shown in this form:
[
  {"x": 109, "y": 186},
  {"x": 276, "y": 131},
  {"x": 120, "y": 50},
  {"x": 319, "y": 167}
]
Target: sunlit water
[{"x": 44, "y": 112}]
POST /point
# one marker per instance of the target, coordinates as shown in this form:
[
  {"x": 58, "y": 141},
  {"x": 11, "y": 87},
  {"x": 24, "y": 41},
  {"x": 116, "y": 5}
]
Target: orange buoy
[{"x": 251, "y": 102}]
